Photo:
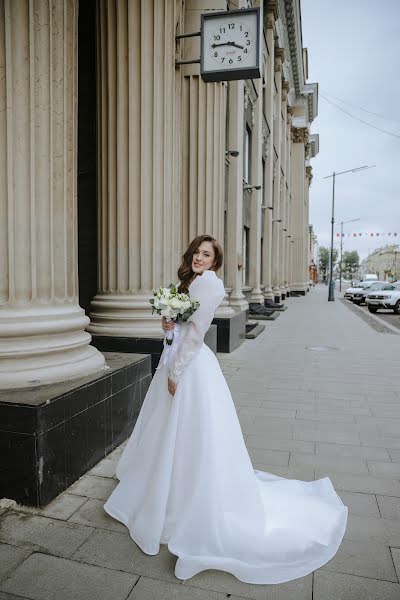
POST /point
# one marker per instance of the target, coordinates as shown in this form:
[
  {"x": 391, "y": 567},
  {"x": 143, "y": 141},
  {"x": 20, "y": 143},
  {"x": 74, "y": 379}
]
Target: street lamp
[
  {"x": 331, "y": 296},
  {"x": 341, "y": 249}
]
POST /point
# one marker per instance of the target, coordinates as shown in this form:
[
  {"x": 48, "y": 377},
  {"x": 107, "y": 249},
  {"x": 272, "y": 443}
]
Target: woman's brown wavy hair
[{"x": 185, "y": 272}]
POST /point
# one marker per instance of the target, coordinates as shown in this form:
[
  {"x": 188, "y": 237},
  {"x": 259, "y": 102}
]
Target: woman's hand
[
  {"x": 171, "y": 387},
  {"x": 167, "y": 325}
]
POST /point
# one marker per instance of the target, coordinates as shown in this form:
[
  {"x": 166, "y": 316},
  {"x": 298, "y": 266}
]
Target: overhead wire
[
  {"x": 396, "y": 135},
  {"x": 370, "y": 112}
]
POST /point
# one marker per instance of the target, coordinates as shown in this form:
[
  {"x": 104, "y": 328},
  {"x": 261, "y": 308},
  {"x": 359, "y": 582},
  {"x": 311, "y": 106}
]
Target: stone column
[
  {"x": 283, "y": 197},
  {"x": 288, "y": 233},
  {"x": 42, "y": 337},
  {"x": 203, "y": 142},
  {"x": 234, "y": 254},
  {"x": 276, "y": 213},
  {"x": 308, "y": 180},
  {"x": 203, "y": 137},
  {"x": 256, "y": 197},
  {"x": 138, "y": 168},
  {"x": 268, "y": 191},
  {"x": 299, "y": 138}
]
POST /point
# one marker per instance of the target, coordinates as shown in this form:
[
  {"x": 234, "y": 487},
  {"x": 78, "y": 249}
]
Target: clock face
[{"x": 230, "y": 42}]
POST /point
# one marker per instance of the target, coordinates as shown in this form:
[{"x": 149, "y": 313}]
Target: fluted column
[
  {"x": 234, "y": 251},
  {"x": 288, "y": 234},
  {"x": 203, "y": 168},
  {"x": 308, "y": 180},
  {"x": 138, "y": 171},
  {"x": 283, "y": 212},
  {"x": 268, "y": 191},
  {"x": 256, "y": 198},
  {"x": 42, "y": 337},
  {"x": 299, "y": 138},
  {"x": 203, "y": 143},
  {"x": 276, "y": 214}
]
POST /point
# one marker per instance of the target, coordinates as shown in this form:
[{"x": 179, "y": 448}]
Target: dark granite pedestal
[
  {"x": 51, "y": 435},
  {"x": 231, "y": 331}
]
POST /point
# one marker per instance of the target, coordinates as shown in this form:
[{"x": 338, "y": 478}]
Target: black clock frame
[{"x": 237, "y": 73}]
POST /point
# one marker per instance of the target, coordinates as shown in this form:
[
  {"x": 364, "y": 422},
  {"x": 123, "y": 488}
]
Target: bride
[{"x": 186, "y": 479}]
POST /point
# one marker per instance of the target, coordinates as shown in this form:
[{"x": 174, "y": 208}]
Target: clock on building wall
[{"x": 230, "y": 45}]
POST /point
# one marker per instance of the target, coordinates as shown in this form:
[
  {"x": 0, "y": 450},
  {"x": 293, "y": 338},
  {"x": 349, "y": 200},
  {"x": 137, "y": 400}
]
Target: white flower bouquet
[{"x": 172, "y": 305}]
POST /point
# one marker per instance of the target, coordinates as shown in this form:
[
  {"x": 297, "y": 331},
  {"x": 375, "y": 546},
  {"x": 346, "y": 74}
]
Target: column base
[
  {"x": 298, "y": 289},
  {"x": 55, "y": 433},
  {"x": 124, "y": 315},
  {"x": 238, "y": 302},
  {"x": 143, "y": 345},
  {"x": 257, "y": 296},
  {"x": 277, "y": 294},
  {"x": 268, "y": 293},
  {"x": 45, "y": 344}
]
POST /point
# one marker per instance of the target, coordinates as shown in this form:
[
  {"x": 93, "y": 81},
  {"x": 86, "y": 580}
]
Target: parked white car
[
  {"x": 359, "y": 295},
  {"x": 388, "y": 298},
  {"x": 360, "y": 286}
]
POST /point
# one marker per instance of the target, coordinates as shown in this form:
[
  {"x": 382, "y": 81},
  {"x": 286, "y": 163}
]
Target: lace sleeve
[{"x": 209, "y": 291}]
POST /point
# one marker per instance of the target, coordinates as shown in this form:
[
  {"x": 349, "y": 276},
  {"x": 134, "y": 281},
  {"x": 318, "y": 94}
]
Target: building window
[
  {"x": 247, "y": 155},
  {"x": 245, "y": 254}
]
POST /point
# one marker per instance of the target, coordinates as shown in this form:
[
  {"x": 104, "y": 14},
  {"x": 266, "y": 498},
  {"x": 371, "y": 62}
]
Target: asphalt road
[{"x": 387, "y": 316}]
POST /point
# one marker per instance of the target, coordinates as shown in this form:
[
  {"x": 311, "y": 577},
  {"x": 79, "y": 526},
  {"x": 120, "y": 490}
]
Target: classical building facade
[{"x": 113, "y": 157}]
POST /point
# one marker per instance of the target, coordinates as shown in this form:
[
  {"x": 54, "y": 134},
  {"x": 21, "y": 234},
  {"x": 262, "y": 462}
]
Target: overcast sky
[{"x": 354, "y": 55}]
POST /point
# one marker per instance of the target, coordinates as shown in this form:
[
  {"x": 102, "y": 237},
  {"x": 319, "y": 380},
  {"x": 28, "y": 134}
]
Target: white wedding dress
[{"x": 186, "y": 479}]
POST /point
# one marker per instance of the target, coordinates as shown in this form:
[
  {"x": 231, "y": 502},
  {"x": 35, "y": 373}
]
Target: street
[{"x": 317, "y": 394}]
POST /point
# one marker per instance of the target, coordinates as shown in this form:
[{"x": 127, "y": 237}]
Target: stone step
[{"x": 255, "y": 331}]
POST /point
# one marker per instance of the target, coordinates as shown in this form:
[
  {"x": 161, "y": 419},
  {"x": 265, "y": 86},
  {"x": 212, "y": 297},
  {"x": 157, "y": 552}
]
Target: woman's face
[{"x": 203, "y": 258}]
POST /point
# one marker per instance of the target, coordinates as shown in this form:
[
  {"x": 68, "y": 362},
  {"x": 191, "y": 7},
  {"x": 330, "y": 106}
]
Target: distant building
[{"x": 384, "y": 262}]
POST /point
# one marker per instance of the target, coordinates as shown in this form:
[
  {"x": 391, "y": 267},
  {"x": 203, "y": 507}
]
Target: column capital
[
  {"x": 300, "y": 135},
  {"x": 272, "y": 10},
  {"x": 309, "y": 174},
  {"x": 279, "y": 58}
]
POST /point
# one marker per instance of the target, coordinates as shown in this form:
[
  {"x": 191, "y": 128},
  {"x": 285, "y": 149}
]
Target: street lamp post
[
  {"x": 331, "y": 295},
  {"x": 341, "y": 248}
]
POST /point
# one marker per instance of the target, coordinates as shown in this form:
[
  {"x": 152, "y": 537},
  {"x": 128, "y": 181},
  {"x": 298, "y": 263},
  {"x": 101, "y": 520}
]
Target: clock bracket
[{"x": 181, "y": 36}]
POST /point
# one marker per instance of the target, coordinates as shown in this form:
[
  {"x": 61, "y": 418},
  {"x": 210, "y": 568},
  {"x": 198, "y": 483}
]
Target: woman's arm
[{"x": 209, "y": 291}]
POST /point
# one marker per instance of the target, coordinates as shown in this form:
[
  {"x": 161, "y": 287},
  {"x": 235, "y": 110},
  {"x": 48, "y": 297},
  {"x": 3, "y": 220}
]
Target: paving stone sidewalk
[{"x": 317, "y": 394}]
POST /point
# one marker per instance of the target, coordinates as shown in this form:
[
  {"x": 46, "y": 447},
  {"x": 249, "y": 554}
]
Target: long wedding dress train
[{"x": 186, "y": 479}]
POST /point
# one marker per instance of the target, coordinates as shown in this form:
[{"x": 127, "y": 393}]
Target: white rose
[
  {"x": 175, "y": 303},
  {"x": 168, "y": 312},
  {"x": 159, "y": 304}
]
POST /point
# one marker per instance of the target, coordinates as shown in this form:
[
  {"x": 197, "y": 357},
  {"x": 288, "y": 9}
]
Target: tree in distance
[
  {"x": 350, "y": 262},
  {"x": 324, "y": 258}
]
